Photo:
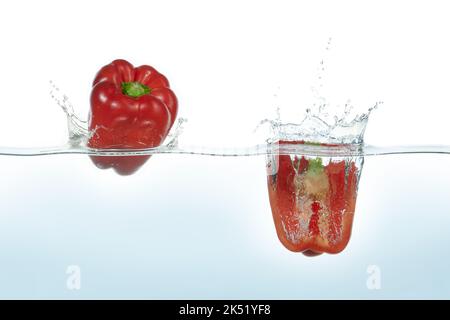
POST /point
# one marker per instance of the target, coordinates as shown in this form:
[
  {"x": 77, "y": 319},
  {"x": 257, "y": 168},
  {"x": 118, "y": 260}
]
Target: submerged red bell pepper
[
  {"x": 313, "y": 202},
  {"x": 131, "y": 108}
]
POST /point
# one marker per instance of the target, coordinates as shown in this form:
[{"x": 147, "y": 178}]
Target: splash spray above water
[
  {"x": 78, "y": 128},
  {"x": 323, "y": 122}
]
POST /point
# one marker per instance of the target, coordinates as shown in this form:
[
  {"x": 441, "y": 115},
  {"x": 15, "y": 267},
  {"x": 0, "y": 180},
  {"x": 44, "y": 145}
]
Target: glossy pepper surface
[{"x": 131, "y": 108}]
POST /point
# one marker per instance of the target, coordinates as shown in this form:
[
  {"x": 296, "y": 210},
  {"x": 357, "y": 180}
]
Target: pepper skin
[
  {"x": 313, "y": 203},
  {"x": 131, "y": 108}
]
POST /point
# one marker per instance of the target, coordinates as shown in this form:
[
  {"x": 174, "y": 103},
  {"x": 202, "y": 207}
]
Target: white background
[
  {"x": 227, "y": 59},
  {"x": 201, "y": 227}
]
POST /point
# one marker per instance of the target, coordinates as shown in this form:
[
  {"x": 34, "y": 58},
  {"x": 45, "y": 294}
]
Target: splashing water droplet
[
  {"x": 324, "y": 122},
  {"x": 77, "y": 128},
  {"x": 176, "y": 133}
]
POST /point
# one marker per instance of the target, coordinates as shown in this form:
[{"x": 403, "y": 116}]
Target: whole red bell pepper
[
  {"x": 313, "y": 200},
  {"x": 131, "y": 108}
]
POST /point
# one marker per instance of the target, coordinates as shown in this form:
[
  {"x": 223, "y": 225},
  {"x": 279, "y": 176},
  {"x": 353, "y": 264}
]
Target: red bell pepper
[
  {"x": 131, "y": 108},
  {"x": 313, "y": 203}
]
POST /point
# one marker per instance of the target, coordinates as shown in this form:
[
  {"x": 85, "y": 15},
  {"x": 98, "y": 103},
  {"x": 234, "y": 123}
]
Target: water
[
  {"x": 185, "y": 227},
  {"x": 197, "y": 227},
  {"x": 258, "y": 150}
]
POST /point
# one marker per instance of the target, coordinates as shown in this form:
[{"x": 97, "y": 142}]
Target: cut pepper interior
[{"x": 313, "y": 200}]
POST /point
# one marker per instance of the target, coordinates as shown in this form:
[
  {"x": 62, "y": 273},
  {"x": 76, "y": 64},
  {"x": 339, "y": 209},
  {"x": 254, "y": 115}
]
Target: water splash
[
  {"x": 77, "y": 128},
  {"x": 175, "y": 133},
  {"x": 347, "y": 137},
  {"x": 315, "y": 128},
  {"x": 323, "y": 122},
  {"x": 311, "y": 128}
]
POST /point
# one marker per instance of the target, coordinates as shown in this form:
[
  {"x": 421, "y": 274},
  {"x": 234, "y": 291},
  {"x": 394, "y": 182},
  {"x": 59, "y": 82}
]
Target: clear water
[
  {"x": 201, "y": 227},
  {"x": 198, "y": 227}
]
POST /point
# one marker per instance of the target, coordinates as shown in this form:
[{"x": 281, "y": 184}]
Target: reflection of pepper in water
[{"x": 313, "y": 204}]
